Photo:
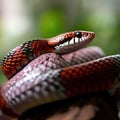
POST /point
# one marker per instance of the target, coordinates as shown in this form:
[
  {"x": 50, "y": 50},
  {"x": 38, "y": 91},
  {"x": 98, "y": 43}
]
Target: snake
[{"x": 45, "y": 70}]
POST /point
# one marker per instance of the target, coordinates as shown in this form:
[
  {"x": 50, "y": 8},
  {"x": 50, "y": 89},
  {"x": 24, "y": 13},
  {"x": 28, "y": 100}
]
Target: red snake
[{"x": 46, "y": 70}]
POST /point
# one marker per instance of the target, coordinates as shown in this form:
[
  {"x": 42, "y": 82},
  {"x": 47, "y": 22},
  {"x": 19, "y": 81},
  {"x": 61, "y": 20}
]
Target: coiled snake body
[{"x": 55, "y": 69}]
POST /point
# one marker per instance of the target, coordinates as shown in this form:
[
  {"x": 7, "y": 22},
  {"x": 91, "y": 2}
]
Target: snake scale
[{"x": 46, "y": 70}]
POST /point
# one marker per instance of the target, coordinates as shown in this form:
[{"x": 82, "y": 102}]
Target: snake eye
[{"x": 78, "y": 34}]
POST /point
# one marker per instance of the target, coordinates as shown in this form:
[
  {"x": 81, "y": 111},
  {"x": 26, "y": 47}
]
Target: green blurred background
[{"x": 23, "y": 20}]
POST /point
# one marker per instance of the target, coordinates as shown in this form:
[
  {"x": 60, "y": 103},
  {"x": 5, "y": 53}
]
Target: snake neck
[{"x": 19, "y": 57}]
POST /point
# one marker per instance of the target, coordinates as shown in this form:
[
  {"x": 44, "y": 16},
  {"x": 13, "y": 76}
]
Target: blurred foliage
[
  {"x": 45, "y": 18},
  {"x": 56, "y": 19}
]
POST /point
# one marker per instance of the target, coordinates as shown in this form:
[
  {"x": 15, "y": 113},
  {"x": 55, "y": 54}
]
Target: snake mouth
[{"x": 74, "y": 42}]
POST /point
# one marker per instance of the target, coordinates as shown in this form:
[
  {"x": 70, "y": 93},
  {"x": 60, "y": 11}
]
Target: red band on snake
[{"x": 46, "y": 70}]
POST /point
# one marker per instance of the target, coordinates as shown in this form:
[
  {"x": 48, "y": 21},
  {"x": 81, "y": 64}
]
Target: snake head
[{"x": 71, "y": 41}]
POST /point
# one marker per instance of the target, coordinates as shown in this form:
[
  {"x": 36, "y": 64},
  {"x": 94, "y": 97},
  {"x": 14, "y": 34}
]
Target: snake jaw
[{"x": 72, "y": 41}]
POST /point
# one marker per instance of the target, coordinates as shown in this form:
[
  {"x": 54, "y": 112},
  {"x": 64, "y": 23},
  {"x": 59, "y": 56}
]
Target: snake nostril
[{"x": 78, "y": 34}]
